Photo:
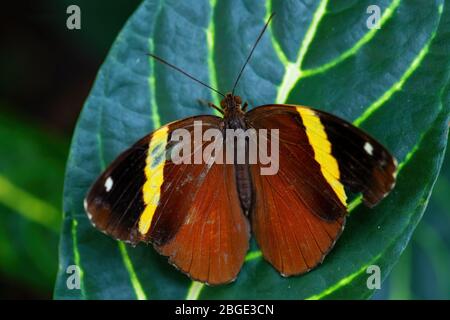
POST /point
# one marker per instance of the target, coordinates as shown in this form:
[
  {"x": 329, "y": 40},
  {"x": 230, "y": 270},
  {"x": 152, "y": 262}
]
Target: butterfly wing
[
  {"x": 212, "y": 242},
  {"x": 186, "y": 210},
  {"x": 365, "y": 165},
  {"x": 299, "y": 212}
]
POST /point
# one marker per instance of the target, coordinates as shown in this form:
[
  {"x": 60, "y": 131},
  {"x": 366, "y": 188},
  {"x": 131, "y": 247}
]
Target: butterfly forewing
[
  {"x": 365, "y": 165},
  {"x": 127, "y": 200},
  {"x": 115, "y": 201}
]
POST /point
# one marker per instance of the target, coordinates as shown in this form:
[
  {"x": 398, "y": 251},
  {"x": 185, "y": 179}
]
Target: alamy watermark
[
  {"x": 229, "y": 146},
  {"x": 373, "y": 21},
  {"x": 73, "y": 281},
  {"x": 73, "y": 21},
  {"x": 374, "y": 280}
]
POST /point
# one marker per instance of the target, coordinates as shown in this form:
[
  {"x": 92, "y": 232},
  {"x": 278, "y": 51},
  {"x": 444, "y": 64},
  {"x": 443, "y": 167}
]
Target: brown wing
[
  {"x": 145, "y": 196},
  {"x": 300, "y": 211},
  {"x": 212, "y": 242}
]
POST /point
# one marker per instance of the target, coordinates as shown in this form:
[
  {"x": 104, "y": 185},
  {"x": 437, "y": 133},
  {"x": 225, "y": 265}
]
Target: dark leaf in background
[
  {"x": 31, "y": 179},
  {"x": 47, "y": 69},
  {"x": 392, "y": 82},
  {"x": 101, "y": 20}
]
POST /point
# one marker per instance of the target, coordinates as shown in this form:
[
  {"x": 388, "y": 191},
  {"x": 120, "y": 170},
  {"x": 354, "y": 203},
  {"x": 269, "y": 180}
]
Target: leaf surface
[{"x": 392, "y": 81}]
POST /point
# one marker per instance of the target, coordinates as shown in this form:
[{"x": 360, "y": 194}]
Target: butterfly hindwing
[{"x": 212, "y": 242}]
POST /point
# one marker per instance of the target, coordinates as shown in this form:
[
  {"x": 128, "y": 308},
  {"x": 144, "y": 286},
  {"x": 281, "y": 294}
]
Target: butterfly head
[{"x": 231, "y": 103}]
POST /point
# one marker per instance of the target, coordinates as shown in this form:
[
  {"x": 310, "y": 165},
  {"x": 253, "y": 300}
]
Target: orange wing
[
  {"x": 300, "y": 211},
  {"x": 211, "y": 244},
  {"x": 189, "y": 212},
  {"x": 291, "y": 237}
]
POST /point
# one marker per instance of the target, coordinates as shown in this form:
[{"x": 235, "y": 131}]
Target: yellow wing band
[
  {"x": 318, "y": 139},
  {"x": 154, "y": 173}
]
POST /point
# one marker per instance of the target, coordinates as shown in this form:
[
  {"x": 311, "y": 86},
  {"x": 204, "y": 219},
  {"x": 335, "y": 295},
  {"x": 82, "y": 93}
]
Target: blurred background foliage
[{"x": 46, "y": 74}]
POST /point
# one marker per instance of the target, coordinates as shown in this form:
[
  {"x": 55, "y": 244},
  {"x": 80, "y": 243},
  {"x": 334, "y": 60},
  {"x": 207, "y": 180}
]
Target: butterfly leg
[
  {"x": 212, "y": 105},
  {"x": 244, "y": 107},
  {"x": 205, "y": 103}
]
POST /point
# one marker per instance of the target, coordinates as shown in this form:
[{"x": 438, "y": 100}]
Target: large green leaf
[
  {"x": 391, "y": 81},
  {"x": 31, "y": 182},
  {"x": 422, "y": 271}
]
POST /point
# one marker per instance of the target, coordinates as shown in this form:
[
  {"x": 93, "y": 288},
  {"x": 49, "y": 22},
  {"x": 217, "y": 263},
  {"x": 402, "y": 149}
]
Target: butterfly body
[{"x": 234, "y": 119}]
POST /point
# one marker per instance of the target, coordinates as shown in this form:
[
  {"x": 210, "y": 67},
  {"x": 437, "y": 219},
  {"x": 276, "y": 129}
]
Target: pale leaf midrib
[
  {"x": 294, "y": 72},
  {"x": 77, "y": 256},
  {"x": 134, "y": 279},
  {"x": 156, "y": 121},
  {"x": 210, "y": 41},
  {"x": 367, "y": 37},
  {"x": 396, "y": 86},
  {"x": 293, "y": 69}
]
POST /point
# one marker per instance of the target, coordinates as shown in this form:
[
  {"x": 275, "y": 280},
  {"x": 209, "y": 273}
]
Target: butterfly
[{"x": 201, "y": 215}]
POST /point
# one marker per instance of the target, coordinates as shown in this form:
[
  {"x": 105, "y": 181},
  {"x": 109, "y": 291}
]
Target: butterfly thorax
[
  {"x": 234, "y": 118},
  {"x": 233, "y": 115}
]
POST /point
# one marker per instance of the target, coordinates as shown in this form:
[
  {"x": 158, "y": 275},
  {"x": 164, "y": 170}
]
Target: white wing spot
[
  {"x": 368, "y": 147},
  {"x": 109, "y": 184},
  {"x": 87, "y": 212}
]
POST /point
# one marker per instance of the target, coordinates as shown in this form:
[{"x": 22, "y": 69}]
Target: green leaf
[
  {"x": 31, "y": 182},
  {"x": 390, "y": 81},
  {"x": 422, "y": 271}
]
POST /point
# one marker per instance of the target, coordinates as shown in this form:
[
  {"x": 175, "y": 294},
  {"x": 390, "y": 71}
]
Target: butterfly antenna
[
  {"x": 184, "y": 72},
  {"x": 251, "y": 52}
]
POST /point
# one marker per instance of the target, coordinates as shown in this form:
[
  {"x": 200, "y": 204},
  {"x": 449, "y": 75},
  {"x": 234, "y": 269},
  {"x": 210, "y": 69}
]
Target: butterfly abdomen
[
  {"x": 234, "y": 120},
  {"x": 244, "y": 186}
]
